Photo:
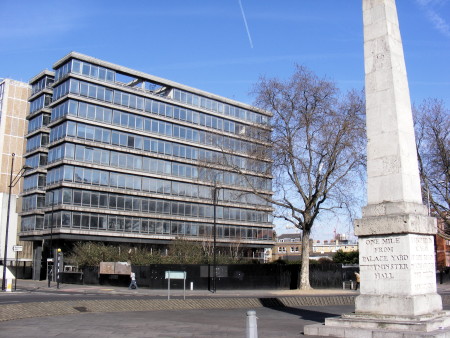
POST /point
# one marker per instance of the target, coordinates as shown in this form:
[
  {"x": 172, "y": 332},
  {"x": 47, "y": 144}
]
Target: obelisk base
[
  {"x": 381, "y": 326},
  {"x": 392, "y": 306}
]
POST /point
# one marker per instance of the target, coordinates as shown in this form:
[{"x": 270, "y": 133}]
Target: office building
[
  {"x": 123, "y": 156},
  {"x": 13, "y": 111}
]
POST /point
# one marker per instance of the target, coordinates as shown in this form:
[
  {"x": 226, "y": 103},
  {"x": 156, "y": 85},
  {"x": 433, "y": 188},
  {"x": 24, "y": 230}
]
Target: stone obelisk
[
  {"x": 396, "y": 239},
  {"x": 398, "y": 295}
]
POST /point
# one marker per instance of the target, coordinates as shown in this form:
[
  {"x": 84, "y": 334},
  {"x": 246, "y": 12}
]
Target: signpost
[
  {"x": 176, "y": 275},
  {"x": 16, "y": 249}
]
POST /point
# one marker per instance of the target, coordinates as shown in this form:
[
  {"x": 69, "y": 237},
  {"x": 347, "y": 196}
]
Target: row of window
[
  {"x": 107, "y": 136},
  {"x": 219, "y": 107},
  {"x": 32, "y": 202},
  {"x": 84, "y": 89},
  {"x": 124, "y": 161},
  {"x": 182, "y": 189},
  {"x": 36, "y": 141},
  {"x": 94, "y": 199},
  {"x": 37, "y": 160},
  {"x": 128, "y": 120},
  {"x": 204, "y": 120},
  {"x": 173, "y": 188},
  {"x": 38, "y": 122},
  {"x": 44, "y": 82},
  {"x": 104, "y": 74},
  {"x": 293, "y": 249},
  {"x": 105, "y": 157},
  {"x": 163, "y": 147},
  {"x": 98, "y": 134},
  {"x": 100, "y": 222},
  {"x": 135, "y": 102},
  {"x": 86, "y": 69},
  {"x": 39, "y": 103},
  {"x": 87, "y": 176},
  {"x": 36, "y": 181}
]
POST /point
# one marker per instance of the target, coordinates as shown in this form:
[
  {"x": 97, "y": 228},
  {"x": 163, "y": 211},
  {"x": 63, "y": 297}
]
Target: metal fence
[{"x": 228, "y": 277}]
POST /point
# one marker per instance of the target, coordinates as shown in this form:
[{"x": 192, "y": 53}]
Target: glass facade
[
  {"x": 41, "y": 84},
  {"x": 119, "y": 152}
]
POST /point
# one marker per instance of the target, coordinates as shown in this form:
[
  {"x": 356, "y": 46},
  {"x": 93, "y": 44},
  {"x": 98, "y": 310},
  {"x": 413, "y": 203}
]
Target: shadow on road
[{"x": 276, "y": 304}]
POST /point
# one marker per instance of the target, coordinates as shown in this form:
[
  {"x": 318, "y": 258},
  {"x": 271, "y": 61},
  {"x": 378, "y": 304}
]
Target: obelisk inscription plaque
[{"x": 396, "y": 265}]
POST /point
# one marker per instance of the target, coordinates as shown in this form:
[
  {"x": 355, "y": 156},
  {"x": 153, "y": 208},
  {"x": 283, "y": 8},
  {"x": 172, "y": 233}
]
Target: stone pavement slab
[
  {"x": 148, "y": 313},
  {"x": 272, "y": 323},
  {"x": 13, "y": 311}
]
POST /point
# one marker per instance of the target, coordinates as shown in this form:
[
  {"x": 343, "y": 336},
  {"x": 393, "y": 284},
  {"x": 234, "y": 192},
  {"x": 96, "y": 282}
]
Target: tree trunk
[{"x": 304, "y": 269}]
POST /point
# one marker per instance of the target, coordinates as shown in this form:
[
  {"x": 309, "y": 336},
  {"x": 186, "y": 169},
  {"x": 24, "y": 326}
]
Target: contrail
[
  {"x": 246, "y": 26},
  {"x": 438, "y": 21}
]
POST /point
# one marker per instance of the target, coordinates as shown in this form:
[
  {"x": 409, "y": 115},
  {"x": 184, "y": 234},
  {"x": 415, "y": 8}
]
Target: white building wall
[{"x": 12, "y": 233}]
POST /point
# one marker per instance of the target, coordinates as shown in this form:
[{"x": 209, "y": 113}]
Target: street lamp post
[
  {"x": 12, "y": 183},
  {"x": 215, "y": 190},
  {"x": 51, "y": 271}
]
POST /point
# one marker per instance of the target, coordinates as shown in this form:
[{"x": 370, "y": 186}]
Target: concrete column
[{"x": 37, "y": 261}]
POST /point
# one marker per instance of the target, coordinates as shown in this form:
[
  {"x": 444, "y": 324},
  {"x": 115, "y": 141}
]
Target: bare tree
[
  {"x": 235, "y": 249},
  {"x": 207, "y": 246},
  {"x": 211, "y": 173},
  {"x": 184, "y": 251},
  {"x": 432, "y": 124},
  {"x": 318, "y": 144}
]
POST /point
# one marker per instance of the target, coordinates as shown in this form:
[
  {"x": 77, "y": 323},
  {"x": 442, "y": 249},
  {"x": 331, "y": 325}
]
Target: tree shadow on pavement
[{"x": 315, "y": 316}]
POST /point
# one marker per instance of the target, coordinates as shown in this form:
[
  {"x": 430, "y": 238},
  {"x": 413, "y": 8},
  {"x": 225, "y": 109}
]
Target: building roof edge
[
  {"x": 157, "y": 80},
  {"x": 41, "y": 74}
]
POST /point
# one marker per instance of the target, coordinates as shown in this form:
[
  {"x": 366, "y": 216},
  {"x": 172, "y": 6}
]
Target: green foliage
[
  {"x": 91, "y": 254},
  {"x": 324, "y": 260},
  {"x": 180, "y": 251},
  {"x": 321, "y": 260},
  {"x": 342, "y": 257},
  {"x": 186, "y": 252}
]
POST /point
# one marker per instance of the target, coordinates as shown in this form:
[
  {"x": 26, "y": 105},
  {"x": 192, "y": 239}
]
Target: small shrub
[
  {"x": 324, "y": 260},
  {"x": 342, "y": 257}
]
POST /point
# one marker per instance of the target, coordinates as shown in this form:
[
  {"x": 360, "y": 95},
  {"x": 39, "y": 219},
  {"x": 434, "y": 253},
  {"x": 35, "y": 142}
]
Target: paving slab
[
  {"x": 147, "y": 313},
  {"x": 287, "y": 322}
]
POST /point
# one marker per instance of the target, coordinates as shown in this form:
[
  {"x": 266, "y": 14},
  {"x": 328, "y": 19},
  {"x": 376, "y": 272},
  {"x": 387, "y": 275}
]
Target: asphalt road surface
[{"x": 272, "y": 323}]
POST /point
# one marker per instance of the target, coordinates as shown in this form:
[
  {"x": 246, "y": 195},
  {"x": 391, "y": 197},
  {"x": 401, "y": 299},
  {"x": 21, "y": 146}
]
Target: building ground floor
[{"x": 135, "y": 248}]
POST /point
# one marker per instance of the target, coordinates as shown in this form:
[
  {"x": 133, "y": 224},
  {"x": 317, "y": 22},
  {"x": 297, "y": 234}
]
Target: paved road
[
  {"x": 43, "y": 296},
  {"x": 85, "y": 311},
  {"x": 37, "y": 291},
  {"x": 92, "y": 311},
  {"x": 286, "y": 322}
]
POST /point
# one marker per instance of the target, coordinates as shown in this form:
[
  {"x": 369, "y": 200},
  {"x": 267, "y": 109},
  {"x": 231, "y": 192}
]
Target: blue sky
[{"x": 206, "y": 43}]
